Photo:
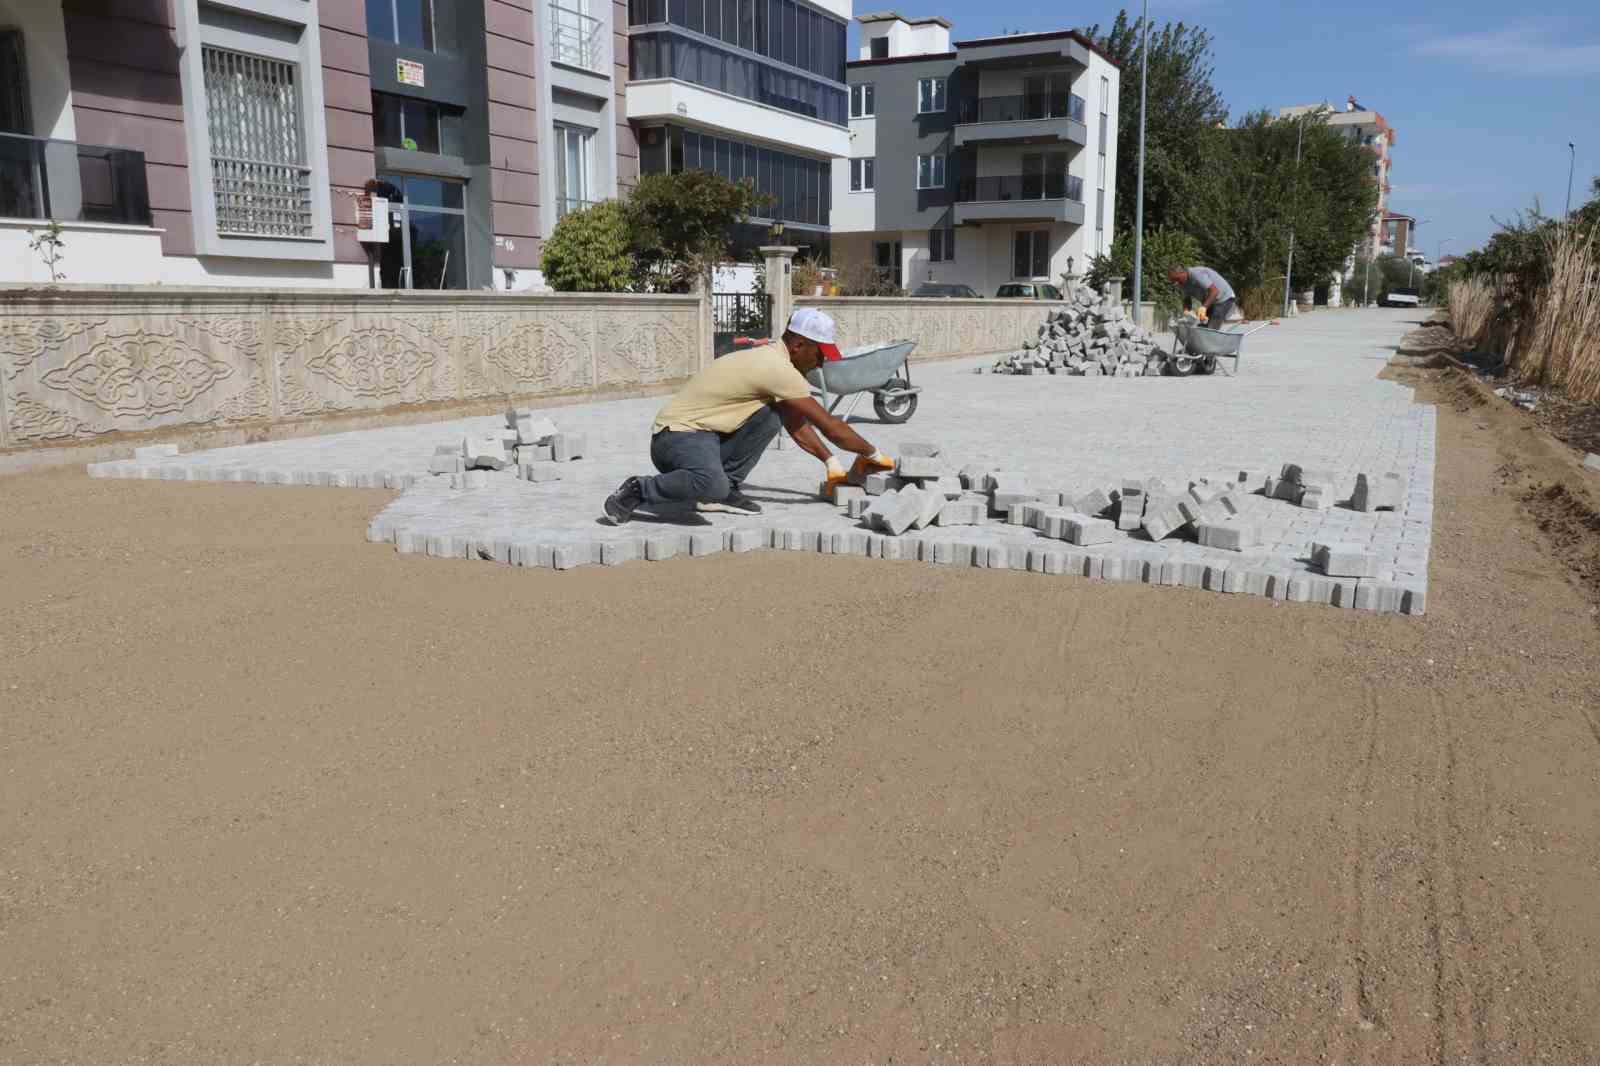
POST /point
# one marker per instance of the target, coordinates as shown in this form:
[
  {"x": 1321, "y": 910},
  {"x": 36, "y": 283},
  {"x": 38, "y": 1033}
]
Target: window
[
  {"x": 930, "y": 95},
  {"x": 886, "y": 257},
  {"x": 930, "y": 171},
  {"x": 427, "y": 247},
  {"x": 669, "y": 54},
  {"x": 1030, "y": 254},
  {"x": 880, "y": 48},
  {"x": 401, "y": 122},
  {"x": 1102, "y": 182},
  {"x": 405, "y": 22},
  {"x": 941, "y": 245},
  {"x": 1105, "y": 96},
  {"x": 861, "y": 175},
  {"x": 1100, "y": 210},
  {"x": 863, "y": 101},
  {"x": 573, "y": 147},
  {"x": 259, "y": 171},
  {"x": 801, "y": 189}
]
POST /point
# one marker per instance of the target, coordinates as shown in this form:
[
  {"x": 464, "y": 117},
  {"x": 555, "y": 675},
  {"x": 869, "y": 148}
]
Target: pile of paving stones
[
  {"x": 532, "y": 444},
  {"x": 1089, "y": 337}
]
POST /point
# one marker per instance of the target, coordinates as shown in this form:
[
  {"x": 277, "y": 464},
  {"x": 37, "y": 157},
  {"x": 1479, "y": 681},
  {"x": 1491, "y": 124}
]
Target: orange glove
[
  {"x": 1201, "y": 314},
  {"x": 876, "y": 463},
  {"x": 836, "y": 476}
]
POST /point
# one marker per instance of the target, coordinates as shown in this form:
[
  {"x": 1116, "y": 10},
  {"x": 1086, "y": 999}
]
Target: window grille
[{"x": 259, "y": 173}]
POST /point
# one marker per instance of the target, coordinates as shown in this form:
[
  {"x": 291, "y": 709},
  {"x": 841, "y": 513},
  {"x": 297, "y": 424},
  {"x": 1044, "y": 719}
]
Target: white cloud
[{"x": 1533, "y": 47}]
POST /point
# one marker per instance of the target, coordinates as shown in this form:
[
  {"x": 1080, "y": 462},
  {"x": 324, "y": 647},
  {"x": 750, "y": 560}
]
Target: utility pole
[
  {"x": 1572, "y": 161},
  {"x": 1138, "y": 207},
  {"x": 1288, "y": 272}
]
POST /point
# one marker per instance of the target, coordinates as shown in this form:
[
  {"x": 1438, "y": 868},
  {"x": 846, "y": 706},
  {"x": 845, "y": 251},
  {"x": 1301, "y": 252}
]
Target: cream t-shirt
[{"x": 722, "y": 396}]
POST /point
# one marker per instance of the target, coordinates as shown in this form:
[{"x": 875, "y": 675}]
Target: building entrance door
[{"x": 427, "y": 246}]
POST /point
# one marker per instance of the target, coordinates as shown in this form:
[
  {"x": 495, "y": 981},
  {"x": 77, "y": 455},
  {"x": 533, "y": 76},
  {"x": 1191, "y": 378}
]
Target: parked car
[
  {"x": 951, "y": 292},
  {"x": 1028, "y": 290},
  {"x": 1401, "y": 298}
]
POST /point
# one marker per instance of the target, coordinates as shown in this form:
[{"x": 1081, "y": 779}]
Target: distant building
[
  {"x": 977, "y": 162},
  {"x": 1363, "y": 126},
  {"x": 1397, "y": 234}
]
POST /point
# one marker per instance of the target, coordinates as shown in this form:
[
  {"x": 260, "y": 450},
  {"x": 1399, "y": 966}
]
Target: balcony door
[
  {"x": 574, "y": 147},
  {"x": 1044, "y": 175},
  {"x": 1045, "y": 95}
]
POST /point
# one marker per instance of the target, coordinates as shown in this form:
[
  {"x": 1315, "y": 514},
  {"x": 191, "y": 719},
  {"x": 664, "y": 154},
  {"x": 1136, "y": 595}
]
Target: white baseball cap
[{"x": 815, "y": 325}]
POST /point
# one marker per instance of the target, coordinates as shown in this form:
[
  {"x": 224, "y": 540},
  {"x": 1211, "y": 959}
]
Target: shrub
[
  {"x": 866, "y": 279},
  {"x": 589, "y": 251},
  {"x": 1472, "y": 304},
  {"x": 1563, "y": 340},
  {"x": 1162, "y": 248}
]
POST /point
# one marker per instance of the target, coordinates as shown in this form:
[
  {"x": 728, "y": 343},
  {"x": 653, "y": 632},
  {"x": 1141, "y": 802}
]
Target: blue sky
[{"x": 1484, "y": 96}]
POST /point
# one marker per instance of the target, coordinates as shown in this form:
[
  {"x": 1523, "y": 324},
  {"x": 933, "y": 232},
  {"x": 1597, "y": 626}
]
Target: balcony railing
[
  {"x": 1022, "y": 108},
  {"x": 1020, "y": 187},
  {"x": 577, "y": 39},
  {"x": 71, "y": 182}
]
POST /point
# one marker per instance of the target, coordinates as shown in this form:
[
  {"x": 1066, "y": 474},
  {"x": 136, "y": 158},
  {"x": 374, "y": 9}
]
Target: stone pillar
[
  {"x": 705, "y": 352},
  {"x": 780, "y": 283},
  {"x": 1113, "y": 291}
]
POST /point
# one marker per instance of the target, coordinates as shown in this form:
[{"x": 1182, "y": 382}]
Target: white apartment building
[{"x": 977, "y": 162}]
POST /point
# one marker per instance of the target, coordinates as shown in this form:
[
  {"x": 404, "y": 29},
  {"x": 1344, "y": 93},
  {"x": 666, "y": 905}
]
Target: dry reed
[
  {"x": 1562, "y": 348},
  {"x": 1471, "y": 302}
]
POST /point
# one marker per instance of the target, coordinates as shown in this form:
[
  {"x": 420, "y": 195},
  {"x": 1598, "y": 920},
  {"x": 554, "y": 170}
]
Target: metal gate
[{"x": 737, "y": 319}]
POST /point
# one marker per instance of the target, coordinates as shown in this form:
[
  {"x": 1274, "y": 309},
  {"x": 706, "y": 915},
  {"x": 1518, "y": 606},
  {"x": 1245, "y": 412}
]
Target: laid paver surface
[{"x": 1308, "y": 392}]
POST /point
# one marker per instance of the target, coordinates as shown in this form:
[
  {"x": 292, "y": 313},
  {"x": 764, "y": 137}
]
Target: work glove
[
  {"x": 1200, "y": 313},
  {"x": 876, "y": 463},
  {"x": 836, "y": 476}
]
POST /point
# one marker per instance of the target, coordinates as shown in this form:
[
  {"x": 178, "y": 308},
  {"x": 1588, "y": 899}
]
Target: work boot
[
  {"x": 621, "y": 504},
  {"x": 735, "y": 502}
]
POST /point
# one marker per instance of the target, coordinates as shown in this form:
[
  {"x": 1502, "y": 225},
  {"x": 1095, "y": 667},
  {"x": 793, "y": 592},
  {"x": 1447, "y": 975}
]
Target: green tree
[
  {"x": 1389, "y": 272},
  {"x": 682, "y": 225},
  {"x": 1183, "y": 107},
  {"x": 589, "y": 251},
  {"x": 1162, "y": 248},
  {"x": 1249, "y": 194}
]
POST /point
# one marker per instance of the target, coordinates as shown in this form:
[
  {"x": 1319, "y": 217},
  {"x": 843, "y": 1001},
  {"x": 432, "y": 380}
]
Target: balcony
[
  {"x": 1020, "y": 198},
  {"x": 70, "y": 182},
  {"x": 577, "y": 40},
  {"x": 1037, "y": 118}
]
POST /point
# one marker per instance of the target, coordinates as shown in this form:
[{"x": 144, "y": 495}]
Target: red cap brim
[{"x": 830, "y": 352}]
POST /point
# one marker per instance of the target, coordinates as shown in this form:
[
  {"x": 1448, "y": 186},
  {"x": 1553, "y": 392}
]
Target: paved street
[{"x": 1308, "y": 393}]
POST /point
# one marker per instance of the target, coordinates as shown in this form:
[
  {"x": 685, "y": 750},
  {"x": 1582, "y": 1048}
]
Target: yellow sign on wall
[{"x": 408, "y": 72}]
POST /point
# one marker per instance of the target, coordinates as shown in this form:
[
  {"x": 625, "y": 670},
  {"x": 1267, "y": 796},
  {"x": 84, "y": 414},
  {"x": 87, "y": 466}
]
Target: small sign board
[
  {"x": 372, "y": 220},
  {"x": 409, "y": 72}
]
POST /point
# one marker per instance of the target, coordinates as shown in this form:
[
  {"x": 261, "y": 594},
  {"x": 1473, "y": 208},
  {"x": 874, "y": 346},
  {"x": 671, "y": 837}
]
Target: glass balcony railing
[
  {"x": 1022, "y": 108},
  {"x": 577, "y": 39},
  {"x": 71, "y": 182},
  {"x": 1020, "y": 187}
]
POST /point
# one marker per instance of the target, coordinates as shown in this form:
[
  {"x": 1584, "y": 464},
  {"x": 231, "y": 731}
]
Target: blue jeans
[{"x": 704, "y": 467}]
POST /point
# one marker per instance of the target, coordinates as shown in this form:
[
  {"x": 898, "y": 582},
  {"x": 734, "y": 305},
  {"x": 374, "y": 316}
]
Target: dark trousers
[
  {"x": 1218, "y": 312},
  {"x": 704, "y": 467}
]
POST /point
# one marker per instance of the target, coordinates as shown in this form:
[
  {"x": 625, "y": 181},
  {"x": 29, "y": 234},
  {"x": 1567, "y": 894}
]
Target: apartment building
[
  {"x": 752, "y": 90},
  {"x": 977, "y": 162},
  {"x": 235, "y": 141},
  {"x": 1366, "y": 127}
]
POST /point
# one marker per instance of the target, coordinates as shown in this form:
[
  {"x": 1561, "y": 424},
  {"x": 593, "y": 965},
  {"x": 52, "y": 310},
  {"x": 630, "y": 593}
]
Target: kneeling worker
[
  {"x": 1208, "y": 287},
  {"x": 708, "y": 437}
]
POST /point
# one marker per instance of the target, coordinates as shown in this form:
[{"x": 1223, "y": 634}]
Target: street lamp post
[
  {"x": 1288, "y": 272},
  {"x": 1138, "y": 207},
  {"x": 1572, "y": 161}
]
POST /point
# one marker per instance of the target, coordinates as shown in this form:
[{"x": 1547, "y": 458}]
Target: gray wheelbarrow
[
  {"x": 882, "y": 369},
  {"x": 1202, "y": 346}
]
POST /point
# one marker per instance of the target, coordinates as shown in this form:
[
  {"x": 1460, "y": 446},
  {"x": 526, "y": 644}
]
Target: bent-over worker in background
[
  {"x": 1206, "y": 286},
  {"x": 708, "y": 437}
]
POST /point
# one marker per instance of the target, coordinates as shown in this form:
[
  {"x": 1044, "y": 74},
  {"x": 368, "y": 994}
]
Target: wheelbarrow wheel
[
  {"x": 898, "y": 406},
  {"x": 1181, "y": 366},
  {"x": 1208, "y": 365}
]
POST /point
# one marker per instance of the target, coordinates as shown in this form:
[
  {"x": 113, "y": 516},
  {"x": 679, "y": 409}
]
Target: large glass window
[
  {"x": 863, "y": 101},
  {"x": 670, "y": 54},
  {"x": 574, "y": 145},
  {"x": 401, "y": 122},
  {"x": 406, "y": 22},
  {"x": 260, "y": 174},
  {"x": 798, "y": 187},
  {"x": 930, "y": 95},
  {"x": 861, "y": 174},
  {"x": 1030, "y": 254},
  {"x": 783, "y": 30},
  {"x": 941, "y": 245},
  {"x": 930, "y": 171}
]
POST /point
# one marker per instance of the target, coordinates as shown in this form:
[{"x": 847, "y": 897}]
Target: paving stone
[
  {"x": 659, "y": 546},
  {"x": 1317, "y": 497},
  {"x": 534, "y": 453},
  {"x": 919, "y": 466},
  {"x": 972, "y": 477},
  {"x": 568, "y": 556},
  {"x": 1130, "y": 506},
  {"x": 896, "y": 512},
  {"x": 565, "y": 447},
  {"x": 1081, "y": 529},
  {"x": 948, "y": 486},
  {"x": 152, "y": 452},
  {"x": 849, "y": 542},
  {"x": 1163, "y": 518},
  {"x": 1343, "y": 559},
  {"x": 931, "y": 504},
  {"x": 1093, "y": 503},
  {"x": 1379, "y": 492},
  {"x": 705, "y": 542},
  {"x": 843, "y": 494},
  {"x": 958, "y": 513},
  {"x": 747, "y": 540},
  {"x": 880, "y": 484},
  {"x": 1233, "y": 535},
  {"x": 919, "y": 449},
  {"x": 858, "y": 508},
  {"x": 539, "y": 473}
]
